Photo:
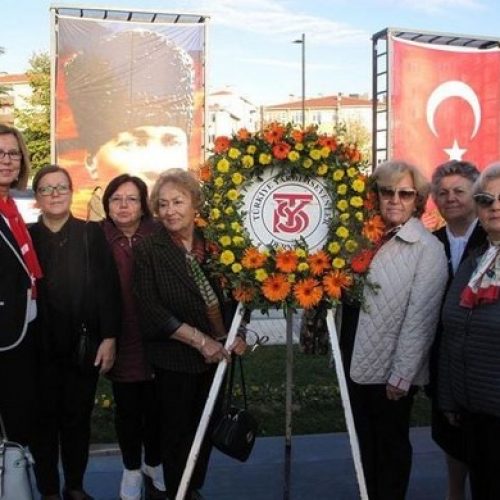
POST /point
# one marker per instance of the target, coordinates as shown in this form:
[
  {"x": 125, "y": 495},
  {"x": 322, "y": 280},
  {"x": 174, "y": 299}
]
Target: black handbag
[
  {"x": 235, "y": 432},
  {"x": 87, "y": 343}
]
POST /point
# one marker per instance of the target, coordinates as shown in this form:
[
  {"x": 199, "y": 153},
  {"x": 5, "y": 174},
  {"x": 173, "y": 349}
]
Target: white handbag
[{"x": 15, "y": 465}]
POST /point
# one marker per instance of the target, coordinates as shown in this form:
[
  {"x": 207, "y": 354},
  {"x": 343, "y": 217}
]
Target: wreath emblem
[{"x": 292, "y": 275}]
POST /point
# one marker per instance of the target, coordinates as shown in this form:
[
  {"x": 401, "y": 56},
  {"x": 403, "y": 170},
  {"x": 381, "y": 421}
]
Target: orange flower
[
  {"x": 308, "y": 292},
  {"x": 286, "y": 261},
  {"x": 253, "y": 259},
  {"x": 274, "y": 133},
  {"x": 334, "y": 281},
  {"x": 243, "y": 294},
  {"x": 243, "y": 134},
  {"x": 329, "y": 142},
  {"x": 200, "y": 222},
  {"x": 205, "y": 173},
  {"x": 276, "y": 287},
  {"x": 281, "y": 150},
  {"x": 373, "y": 228},
  {"x": 354, "y": 154},
  {"x": 361, "y": 261},
  {"x": 298, "y": 135},
  {"x": 318, "y": 262},
  {"x": 221, "y": 144}
]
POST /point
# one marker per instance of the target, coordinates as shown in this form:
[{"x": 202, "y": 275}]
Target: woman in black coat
[
  {"x": 19, "y": 274},
  {"x": 185, "y": 320},
  {"x": 80, "y": 286}
]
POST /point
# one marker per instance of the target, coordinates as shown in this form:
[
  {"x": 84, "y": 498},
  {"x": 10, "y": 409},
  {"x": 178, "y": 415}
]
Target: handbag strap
[{"x": 230, "y": 386}]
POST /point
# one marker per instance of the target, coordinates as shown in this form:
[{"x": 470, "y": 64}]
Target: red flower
[
  {"x": 221, "y": 144},
  {"x": 281, "y": 150},
  {"x": 361, "y": 261},
  {"x": 274, "y": 133},
  {"x": 329, "y": 142}
]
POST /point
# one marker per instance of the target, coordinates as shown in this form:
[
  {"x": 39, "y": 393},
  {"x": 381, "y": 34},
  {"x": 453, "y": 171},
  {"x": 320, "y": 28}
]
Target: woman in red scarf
[{"x": 19, "y": 271}]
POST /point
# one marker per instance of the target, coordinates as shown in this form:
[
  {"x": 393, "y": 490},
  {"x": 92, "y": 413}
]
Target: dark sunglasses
[
  {"x": 485, "y": 200},
  {"x": 388, "y": 193}
]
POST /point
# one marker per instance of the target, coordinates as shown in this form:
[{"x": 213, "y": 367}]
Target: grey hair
[
  {"x": 465, "y": 169},
  {"x": 490, "y": 173}
]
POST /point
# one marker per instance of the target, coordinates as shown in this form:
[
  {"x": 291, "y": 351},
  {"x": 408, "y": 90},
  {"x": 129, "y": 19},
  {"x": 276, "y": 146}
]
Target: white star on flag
[{"x": 455, "y": 152}]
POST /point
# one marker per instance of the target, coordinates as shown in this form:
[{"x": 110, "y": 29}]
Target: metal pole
[
  {"x": 303, "y": 81},
  {"x": 288, "y": 405}
]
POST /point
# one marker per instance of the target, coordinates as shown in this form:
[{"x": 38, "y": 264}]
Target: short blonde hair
[
  {"x": 390, "y": 172},
  {"x": 184, "y": 180}
]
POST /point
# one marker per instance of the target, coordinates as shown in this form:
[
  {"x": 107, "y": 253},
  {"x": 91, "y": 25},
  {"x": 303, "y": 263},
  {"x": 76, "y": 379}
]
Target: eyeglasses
[
  {"x": 485, "y": 200},
  {"x": 124, "y": 200},
  {"x": 404, "y": 194},
  {"x": 50, "y": 190},
  {"x": 13, "y": 155}
]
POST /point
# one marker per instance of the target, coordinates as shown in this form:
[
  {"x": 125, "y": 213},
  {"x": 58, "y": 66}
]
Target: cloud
[
  {"x": 438, "y": 6},
  {"x": 274, "y": 17}
]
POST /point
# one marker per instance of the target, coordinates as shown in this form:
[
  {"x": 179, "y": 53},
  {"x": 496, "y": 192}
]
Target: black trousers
[
  {"x": 383, "y": 428},
  {"x": 482, "y": 434},
  {"x": 182, "y": 398},
  {"x": 137, "y": 422},
  {"x": 18, "y": 373},
  {"x": 64, "y": 407}
]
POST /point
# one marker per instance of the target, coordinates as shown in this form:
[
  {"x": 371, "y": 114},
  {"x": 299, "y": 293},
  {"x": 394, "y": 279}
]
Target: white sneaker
[
  {"x": 131, "y": 485},
  {"x": 156, "y": 476}
]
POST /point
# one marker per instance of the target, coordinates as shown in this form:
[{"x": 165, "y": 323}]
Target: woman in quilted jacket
[{"x": 386, "y": 342}]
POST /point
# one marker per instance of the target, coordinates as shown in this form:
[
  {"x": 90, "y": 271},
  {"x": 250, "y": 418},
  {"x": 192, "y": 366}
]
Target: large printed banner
[
  {"x": 445, "y": 104},
  {"x": 129, "y": 99}
]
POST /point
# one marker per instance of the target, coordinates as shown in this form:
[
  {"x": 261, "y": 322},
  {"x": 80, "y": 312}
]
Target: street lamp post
[{"x": 303, "y": 42}]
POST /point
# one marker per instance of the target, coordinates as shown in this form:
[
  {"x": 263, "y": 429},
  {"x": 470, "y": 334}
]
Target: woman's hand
[
  {"x": 394, "y": 393},
  {"x": 239, "y": 346},
  {"x": 213, "y": 351},
  {"x": 453, "y": 418},
  {"x": 106, "y": 355}
]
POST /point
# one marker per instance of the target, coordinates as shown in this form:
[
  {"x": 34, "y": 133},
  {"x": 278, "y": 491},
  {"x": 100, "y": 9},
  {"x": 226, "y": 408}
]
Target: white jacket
[{"x": 397, "y": 324}]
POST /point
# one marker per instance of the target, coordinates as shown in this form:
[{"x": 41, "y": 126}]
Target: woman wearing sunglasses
[
  {"x": 469, "y": 368},
  {"x": 80, "y": 285},
  {"x": 386, "y": 342}
]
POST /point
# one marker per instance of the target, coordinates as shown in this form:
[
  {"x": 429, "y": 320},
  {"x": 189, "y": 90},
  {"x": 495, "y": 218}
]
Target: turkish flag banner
[{"x": 444, "y": 104}]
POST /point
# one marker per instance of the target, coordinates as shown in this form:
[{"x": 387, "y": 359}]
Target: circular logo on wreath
[{"x": 281, "y": 211}]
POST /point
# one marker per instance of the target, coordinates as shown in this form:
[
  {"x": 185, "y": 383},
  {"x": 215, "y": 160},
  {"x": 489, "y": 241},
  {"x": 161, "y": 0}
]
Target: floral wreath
[{"x": 273, "y": 276}]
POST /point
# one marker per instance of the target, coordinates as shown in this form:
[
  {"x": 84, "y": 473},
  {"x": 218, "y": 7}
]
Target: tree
[
  {"x": 4, "y": 89},
  {"x": 354, "y": 131},
  {"x": 34, "y": 119}
]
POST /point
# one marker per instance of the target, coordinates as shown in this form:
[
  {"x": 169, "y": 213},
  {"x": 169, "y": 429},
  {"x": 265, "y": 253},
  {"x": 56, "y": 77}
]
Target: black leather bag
[{"x": 235, "y": 432}]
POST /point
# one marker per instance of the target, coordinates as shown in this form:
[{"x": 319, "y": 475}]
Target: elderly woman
[
  {"x": 386, "y": 343},
  {"x": 128, "y": 222},
  {"x": 469, "y": 368},
  {"x": 452, "y": 192},
  {"x": 19, "y": 274},
  {"x": 185, "y": 320},
  {"x": 80, "y": 286}
]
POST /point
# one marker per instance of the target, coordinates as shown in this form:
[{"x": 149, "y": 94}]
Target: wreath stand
[{"x": 216, "y": 385}]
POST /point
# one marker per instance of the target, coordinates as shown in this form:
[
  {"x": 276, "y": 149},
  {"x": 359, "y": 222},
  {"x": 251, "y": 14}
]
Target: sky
[{"x": 250, "y": 42}]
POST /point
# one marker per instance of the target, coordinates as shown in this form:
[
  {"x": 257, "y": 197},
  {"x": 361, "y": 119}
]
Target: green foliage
[
  {"x": 34, "y": 120},
  {"x": 3, "y": 88}
]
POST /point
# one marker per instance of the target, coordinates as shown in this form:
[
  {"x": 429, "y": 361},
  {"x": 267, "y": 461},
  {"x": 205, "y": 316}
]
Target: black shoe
[
  {"x": 151, "y": 492},
  {"x": 76, "y": 495},
  {"x": 196, "y": 495}
]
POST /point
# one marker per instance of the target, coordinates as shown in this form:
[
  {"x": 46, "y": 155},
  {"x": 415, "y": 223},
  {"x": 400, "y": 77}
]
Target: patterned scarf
[
  {"x": 9, "y": 210},
  {"x": 484, "y": 284}
]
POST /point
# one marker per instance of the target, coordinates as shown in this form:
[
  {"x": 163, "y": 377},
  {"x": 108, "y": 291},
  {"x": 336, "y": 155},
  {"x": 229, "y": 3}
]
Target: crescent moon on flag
[{"x": 453, "y": 88}]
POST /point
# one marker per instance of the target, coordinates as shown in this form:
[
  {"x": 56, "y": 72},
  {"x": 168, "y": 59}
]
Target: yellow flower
[
  {"x": 247, "y": 160},
  {"x": 307, "y": 163},
  {"x": 226, "y": 257},
  {"x": 356, "y": 201},
  {"x": 225, "y": 240},
  {"x": 351, "y": 171},
  {"x": 359, "y": 216},
  {"x": 265, "y": 159},
  {"x": 322, "y": 169},
  {"x": 338, "y": 263},
  {"x": 214, "y": 213},
  {"x": 236, "y": 226},
  {"x": 358, "y": 185},
  {"x": 342, "y": 205},
  {"x": 232, "y": 195},
  {"x": 219, "y": 182},
  {"x": 238, "y": 241},
  {"x": 342, "y": 232},
  {"x": 237, "y": 178},
  {"x": 106, "y": 403},
  {"x": 342, "y": 189},
  {"x": 315, "y": 154},
  {"x": 236, "y": 267},
  {"x": 260, "y": 274},
  {"x": 303, "y": 266},
  {"x": 251, "y": 149},
  {"x": 223, "y": 166},
  {"x": 344, "y": 218},
  {"x": 300, "y": 253},
  {"x": 229, "y": 210},
  {"x": 334, "y": 247},
  {"x": 234, "y": 153},
  {"x": 299, "y": 146},
  {"x": 325, "y": 152},
  {"x": 221, "y": 226},
  {"x": 293, "y": 156},
  {"x": 338, "y": 175},
  {"x": 291, "y": 277},
  {"x": 351, "y": 246},
  {"x": 217, "y": 198}
]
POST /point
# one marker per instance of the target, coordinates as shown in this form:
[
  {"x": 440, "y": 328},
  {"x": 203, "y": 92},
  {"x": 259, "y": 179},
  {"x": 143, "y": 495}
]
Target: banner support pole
[{"x": 288, "y": 405}]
